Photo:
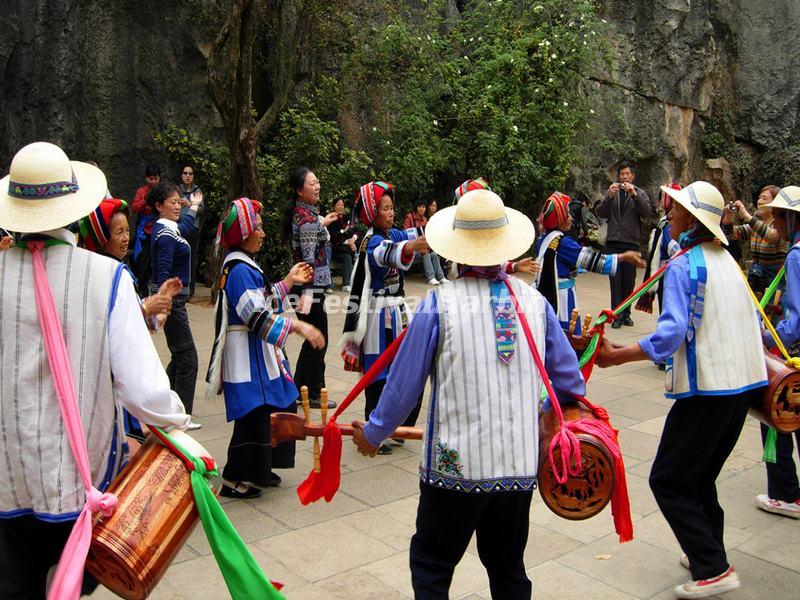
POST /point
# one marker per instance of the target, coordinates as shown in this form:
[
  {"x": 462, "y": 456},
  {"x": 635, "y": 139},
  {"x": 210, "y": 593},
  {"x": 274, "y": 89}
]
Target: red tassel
[{"x": 325, "y": 484}]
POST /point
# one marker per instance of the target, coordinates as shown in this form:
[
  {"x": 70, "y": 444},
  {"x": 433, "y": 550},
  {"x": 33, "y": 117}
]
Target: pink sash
[{"x": 66, "y": 584}]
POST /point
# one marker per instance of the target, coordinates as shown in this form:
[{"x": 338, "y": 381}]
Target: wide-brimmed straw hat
[
  {"x": 788, "y": 198},
  {"x": 705, "y": 202},
  {"x": 479, "y": 230},
  {"x": 45, "y": 190}
]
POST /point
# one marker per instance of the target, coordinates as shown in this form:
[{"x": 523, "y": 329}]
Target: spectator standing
[
  {"x": 343, "y": 242},
  {"x": 187, "y": 189},
  {"x": 767, "y": 249},
  {"x": 625, "y": 206},
  {"x": 309, "y": 238},
  {"x": 172, "y": 257},
  {"x": 144, "y": 228},
  {"x": 431, "y": 264}
]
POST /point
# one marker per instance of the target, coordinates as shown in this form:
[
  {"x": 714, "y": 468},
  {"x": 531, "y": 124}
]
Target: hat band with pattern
[
  {"x": 489, "y": 224},
  {"x": 42, "y": 191},
  {"x": 788, "y": 198},
  {"x": 702, "y": 205}
]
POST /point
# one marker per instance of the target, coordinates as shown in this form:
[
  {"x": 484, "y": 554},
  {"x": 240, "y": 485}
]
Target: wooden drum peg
[
  {"x": 587, "y": 323},
  {"x": 304, "y": 403},
  {"x": 573, "y": 321},
  {"x": 323, "y": 393}
]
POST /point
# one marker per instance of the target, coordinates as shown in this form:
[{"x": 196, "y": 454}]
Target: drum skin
[
  {"x": 155, "y": 514},
  {"x": 779, "y": 407},
  {"x": 587, "y": 494}
]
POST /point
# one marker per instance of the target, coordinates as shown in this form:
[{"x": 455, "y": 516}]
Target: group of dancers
[{"x": 476, "y": 338}]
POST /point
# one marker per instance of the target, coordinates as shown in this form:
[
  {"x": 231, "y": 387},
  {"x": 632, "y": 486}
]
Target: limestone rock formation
[
  {"x": 674, "y": 65},
  {"x": 100, "y": 79}
]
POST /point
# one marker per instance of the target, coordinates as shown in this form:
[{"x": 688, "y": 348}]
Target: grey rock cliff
[
  {"x": 100, "y": 79},
  {"x": 673, "y": 65}
]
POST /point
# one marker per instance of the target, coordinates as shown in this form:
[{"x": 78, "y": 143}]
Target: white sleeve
[{"x": 140, "y": 382}]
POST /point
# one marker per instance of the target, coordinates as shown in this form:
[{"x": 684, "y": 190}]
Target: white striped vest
[
  {"x": 39, "y": 472},
  {"x": 724, "y": 354},
  {"x": 483, "y": 429}
]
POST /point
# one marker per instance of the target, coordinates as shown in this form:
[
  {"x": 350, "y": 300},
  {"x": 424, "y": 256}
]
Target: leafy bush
[
  {"x": 494, "y": 92},
  {"x": 780, "y": 166}
]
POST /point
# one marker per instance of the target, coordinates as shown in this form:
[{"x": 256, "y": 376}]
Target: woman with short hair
[{"x": 172, "y": 257}]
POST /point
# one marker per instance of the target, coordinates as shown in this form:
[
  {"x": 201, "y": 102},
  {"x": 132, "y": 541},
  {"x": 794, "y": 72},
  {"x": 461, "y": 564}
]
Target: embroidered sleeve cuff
[
  {"x": 406, "y": 256},
  {"x": 413, "y": 233},
  {"x": 279, "y": 298},
  {"x": 273, "y": 329}
]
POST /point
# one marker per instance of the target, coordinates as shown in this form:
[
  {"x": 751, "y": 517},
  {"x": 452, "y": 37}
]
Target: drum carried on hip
[
  {"x": 131, "y": 549},
  {"x": 779, "y": 407},
  {"x": 582, "y": 496}
]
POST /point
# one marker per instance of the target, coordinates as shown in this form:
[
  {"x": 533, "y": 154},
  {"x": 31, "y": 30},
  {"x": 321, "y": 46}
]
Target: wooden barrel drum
[
  {"x": 131, "y": 550},
  {"x": 587, "y": 494},
  {"x": 779, "y": 407}
]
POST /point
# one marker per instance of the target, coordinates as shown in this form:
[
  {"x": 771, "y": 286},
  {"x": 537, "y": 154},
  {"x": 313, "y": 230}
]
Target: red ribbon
[
  {"x": 569, "y": 445},
  {"x": 325, "y": 484}
]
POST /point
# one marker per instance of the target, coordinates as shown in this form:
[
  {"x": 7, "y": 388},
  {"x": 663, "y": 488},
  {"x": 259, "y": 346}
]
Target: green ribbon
[
  {"x": 243, "y": 576},
  {"x": 770, "y": 291},
  {"x": 590, "y": 349},
  {"x": 772, "y": 435},
  {"x": 769, "y": 446}
]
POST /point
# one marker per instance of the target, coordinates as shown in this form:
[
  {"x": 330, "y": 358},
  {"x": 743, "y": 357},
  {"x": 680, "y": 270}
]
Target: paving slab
[{"x": 356, "y": 547}]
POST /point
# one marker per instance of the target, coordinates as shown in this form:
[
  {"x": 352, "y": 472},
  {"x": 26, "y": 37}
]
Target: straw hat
[
  {"x": 787, "y": 199},
  {"x": 45, "y": 190},
  {"x": 479, "y": 230},
  {"x": 704, "y": 201}
]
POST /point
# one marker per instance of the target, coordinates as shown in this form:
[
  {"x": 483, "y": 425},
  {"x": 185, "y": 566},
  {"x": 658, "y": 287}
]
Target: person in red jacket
[
  {"x": 144, "y": 226},
  {"x": 416, "y": 219}
]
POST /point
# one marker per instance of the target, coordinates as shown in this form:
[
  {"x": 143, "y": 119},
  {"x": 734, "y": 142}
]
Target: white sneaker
[
  {"x": 432, "y": 281},
  {"x": 192, "y": 426},
  {"x": 685, "y": 561},
  {"x": 346, "y": 288},
  {"x": 720, "y": 584},
  {"x": 779, "y": 507},
  {"x": 443, "y": 280}
]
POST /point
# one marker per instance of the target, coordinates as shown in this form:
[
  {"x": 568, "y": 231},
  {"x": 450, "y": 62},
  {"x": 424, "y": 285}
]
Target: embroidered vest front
[
  {"x": 722, "y": 353},
  {"x": 39, "y": 471},
  {"x": 483, "y": 426}
]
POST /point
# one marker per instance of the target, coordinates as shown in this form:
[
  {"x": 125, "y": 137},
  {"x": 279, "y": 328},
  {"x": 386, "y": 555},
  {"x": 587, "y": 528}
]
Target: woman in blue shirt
[
  {"x": 561, "y": 256},
  {"x": 171, "y": 256},
  {"x": 707, "y": 312}
]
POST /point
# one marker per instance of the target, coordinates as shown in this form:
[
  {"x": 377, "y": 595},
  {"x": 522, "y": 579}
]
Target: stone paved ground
[{"x": 357, "y": 546}]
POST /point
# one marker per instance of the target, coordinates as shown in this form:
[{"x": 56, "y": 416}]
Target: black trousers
[
  {"x": 446, "y": 520},
  {"x": 624, "y": 280},
  {"x": 310, "y": 369},
  {"x": 699, "y": 435},
  {"x": 251, "y": 458},
  {"x": 782, "y": 475},
  {"x": 28, "y": 549},
  {"x": 373, "y": 391},
  {"x": 373, "y": 394},
  {"x": 182, "y": 367},
  {"x": 194, "y": 242}
]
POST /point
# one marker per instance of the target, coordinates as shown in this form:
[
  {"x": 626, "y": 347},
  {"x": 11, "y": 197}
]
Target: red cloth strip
[{"x": 325, "y": 484}]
